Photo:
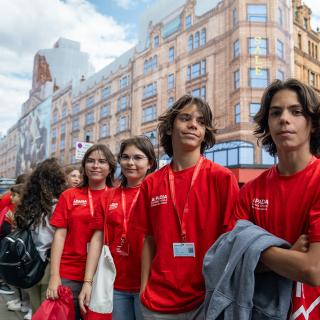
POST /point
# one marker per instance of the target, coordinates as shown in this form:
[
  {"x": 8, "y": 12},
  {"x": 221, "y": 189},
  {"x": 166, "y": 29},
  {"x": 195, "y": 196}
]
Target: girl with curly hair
[
  {"x": 40, "y": 193},
  {"x": 72, "y": 216}
]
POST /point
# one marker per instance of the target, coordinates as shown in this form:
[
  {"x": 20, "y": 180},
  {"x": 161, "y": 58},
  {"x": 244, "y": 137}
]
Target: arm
[
  {"x": 146, "y": 259},
  {"x": 91, "y": 266},
  {"x": 295, "y": 265},
  {"x": 56, "y": 253}
]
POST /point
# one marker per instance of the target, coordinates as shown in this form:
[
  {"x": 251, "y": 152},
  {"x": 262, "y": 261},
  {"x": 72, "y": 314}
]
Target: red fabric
[
  {"x": 91, "y": 315},
  {"x": 176, "y": 285},
  {"x": 3, "y": 216},
  {"x": 60, "y": 309},
  {"x": 6, "y": 202},
  {"x": 73, "y": 212},
  {"x": 128, "y": 267},
  {"x": 286, "y": 206}
]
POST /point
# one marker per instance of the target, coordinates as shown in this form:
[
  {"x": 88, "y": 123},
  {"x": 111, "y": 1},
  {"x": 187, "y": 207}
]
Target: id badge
[
  {"x": 123, "y": 248},
  {"x": 183, "y": 249}
]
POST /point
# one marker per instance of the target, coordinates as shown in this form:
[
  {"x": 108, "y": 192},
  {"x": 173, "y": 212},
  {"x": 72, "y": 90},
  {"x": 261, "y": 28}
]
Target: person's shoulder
[
  {"x": 215, "y": 169},
  {"x": 71, "y": 192}
]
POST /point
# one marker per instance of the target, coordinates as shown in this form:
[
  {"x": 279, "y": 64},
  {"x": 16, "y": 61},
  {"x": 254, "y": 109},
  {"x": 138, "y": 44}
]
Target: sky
[{"x": 28, "y": 26}]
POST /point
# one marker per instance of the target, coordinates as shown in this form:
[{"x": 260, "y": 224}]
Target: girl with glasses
[{"x": 137, "y": 159}]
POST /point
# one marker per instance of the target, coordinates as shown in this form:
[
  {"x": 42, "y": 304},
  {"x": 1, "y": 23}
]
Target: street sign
[{"x": 81, "y": 148}]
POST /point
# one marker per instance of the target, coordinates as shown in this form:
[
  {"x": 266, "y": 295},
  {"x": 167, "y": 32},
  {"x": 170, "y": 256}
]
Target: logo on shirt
[
  {"x": 113, "y": 205},
  {"x": 157, "y": 200},
  {"x": 260, "y": 204},
  {"x": 79, "y": 202}
]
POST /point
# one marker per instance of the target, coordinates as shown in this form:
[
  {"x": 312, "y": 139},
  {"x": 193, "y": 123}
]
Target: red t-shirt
[
  {"x": 73, "y": 212},
  {"x": 176, "y": 284},
  {"x": 128, "y": 266},
  {"x": 6, "y": 202},
  {"x": 287, "y": 206}
]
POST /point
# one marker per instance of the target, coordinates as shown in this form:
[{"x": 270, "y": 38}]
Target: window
[
  {"x": 188, "y": 21},
  {"x": 75, "y": 124},
  {"x": 89, "y": 118},
  {"x": 90, "y": 102},
  {"x": 74, "y": 141},
  {"x": 258, "y": 78},
  {"x": 152, "y": 135},
  {"x": 170, "y": 102},
  {"x": 236, "y": 48},
  {"x": 190, "y": 43},
  {"x": 63, "y": 129},
  {"x": 170, "y": 81},
  {"x": 106, "y": 93},
  {"x": 171, "y": 54},
  {"x": 203, "y": 38},
  {"x": 267, "y": 158},
  {"x": 200, "y": 92},
  {"x": 64, "y": 112},
  {"x": 105, "y": 110},
  {"x": 122, "y": 124},
  {"x": 312, "y": 78},
  {"x": 154, "y": 62},
  {"x": 299, "y": 41},
  {"x": 122, "y": 103},
  {"x": 88, "y": 136},
  {"x": 104, "y": 130},
  {"x": 280, "y": 49},
  {"x": 257, "y": 12},
  {"x": 196, "y": 40},
  {"x": 149, "y": 114},
  {"x": 280, "y": 75},
  {"x": 234, "y": 17},
  {"x": 231, "y": 153},
  {"x": 150, "y": 90},
  {"x": 253, "y": 109},
  {"x": 305, "y": 23},
  {"x": 55, "y": 117},
  {"x": 280, "y": 16},
  {"x": 53, "y": 147},
  {"x": 237, "y": 113},
  {"x": 258, "y": 46},
  {"x": 62, "y": 144},
  {"x": 54, "y": 133},
  {"x": 150, "y": 64},
  {"x": 156, "y": 42},
  {"x": 236, "y": 79},
  {"x": 124, "y": 82},
  {"x": 75, "y": 108},
  {"x": 203, "y": 67},
  {"x": 196, "y": 70}
]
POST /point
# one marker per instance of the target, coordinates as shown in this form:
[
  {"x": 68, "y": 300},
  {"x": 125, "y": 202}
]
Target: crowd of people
[{"x": 159, "y": 224}]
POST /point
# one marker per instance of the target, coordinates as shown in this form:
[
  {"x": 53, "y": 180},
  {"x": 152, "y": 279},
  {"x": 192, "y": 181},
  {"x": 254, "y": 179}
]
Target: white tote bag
[{"x": 102, "y": 287}]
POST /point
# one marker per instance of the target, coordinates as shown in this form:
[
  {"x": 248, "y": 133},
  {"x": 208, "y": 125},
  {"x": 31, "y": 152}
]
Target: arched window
[
  {"x": 203, "y": 39},
  {"x": 232, "y": 153},
  {"x": 196, "y": 40},
  {"x": 190, "y": 43},
  {"x": 266, "y": 158}
]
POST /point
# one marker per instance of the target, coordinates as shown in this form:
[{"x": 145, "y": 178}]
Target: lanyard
[
  {"x": 91, "y": 201},
  {"x": 126, "y": 215},
  {"x": 183, "y": 220}
]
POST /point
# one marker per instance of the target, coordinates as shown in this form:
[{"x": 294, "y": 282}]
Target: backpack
[{"x": 20, "y": 262}]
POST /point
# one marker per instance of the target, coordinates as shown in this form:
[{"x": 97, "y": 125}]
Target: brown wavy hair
[
  {"x": 310, "y": 103},
  {"x": 42, "y": 187},
  {"x": 167, "y": 119}
]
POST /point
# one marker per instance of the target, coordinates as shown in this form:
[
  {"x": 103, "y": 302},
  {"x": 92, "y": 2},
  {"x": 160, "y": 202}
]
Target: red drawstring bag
[{"x": 59, "y": 309}]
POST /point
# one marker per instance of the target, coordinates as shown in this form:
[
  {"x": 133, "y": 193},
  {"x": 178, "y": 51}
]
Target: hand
[
  {"x": 85, "y": 296},
  {"x": 52, "y": 291},
  {"x": 302, "y": 244},
  {"x": 10, "y": 216}
]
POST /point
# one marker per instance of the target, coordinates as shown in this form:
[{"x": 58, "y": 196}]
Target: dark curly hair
[
  {"x": 44, "y": 184},
  {"x": 310, "y": 103},
  {"x": 167, "y": 119}
]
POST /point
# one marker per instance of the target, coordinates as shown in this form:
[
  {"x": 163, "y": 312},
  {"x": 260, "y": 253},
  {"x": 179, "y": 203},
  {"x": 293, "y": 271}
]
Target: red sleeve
[
  {"x": 5, "y": 201},
  {"x": 241, "y": 210},
  {"x": 141, "y": 219},
  {"x": 314, "y": 225},
  {"x": 59, "y": 217}
]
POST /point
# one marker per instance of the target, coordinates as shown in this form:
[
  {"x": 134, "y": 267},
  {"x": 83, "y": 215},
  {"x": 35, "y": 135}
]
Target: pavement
[{"x": 5, "y": 314}]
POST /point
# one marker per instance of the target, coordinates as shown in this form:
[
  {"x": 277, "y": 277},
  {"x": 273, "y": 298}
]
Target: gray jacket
[{"x": 233, "y": 290}]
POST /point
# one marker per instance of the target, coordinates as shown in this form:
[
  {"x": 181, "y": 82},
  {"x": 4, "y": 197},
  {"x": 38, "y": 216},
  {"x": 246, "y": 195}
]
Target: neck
[
  {"x": 97, "y": 185},
  {"x": 185, "y": 160},
  {"x": 293, "y": 162},
  {"x": 131, "y": 183}
]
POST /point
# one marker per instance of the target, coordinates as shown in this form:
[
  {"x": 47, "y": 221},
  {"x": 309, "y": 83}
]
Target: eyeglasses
[
  {"x": 135, "y": 158},
  {"x": 101, "y": 162}
]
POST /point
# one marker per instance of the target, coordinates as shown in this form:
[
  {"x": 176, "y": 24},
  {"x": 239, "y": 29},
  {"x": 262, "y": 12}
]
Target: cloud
[
  {"x": 26, "y": 27},
  {"x": 128, "y": 4}
]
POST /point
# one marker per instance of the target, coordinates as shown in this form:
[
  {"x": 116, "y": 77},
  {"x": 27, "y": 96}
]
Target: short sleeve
[
  {"x": 314, "y": 224},
  {"x": 59, "y": 217},
  {"x": 141, "y": 218}
]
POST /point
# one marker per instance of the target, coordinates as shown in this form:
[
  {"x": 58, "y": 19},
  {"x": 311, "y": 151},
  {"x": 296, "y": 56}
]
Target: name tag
[{"x": 183, "y": 249}]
